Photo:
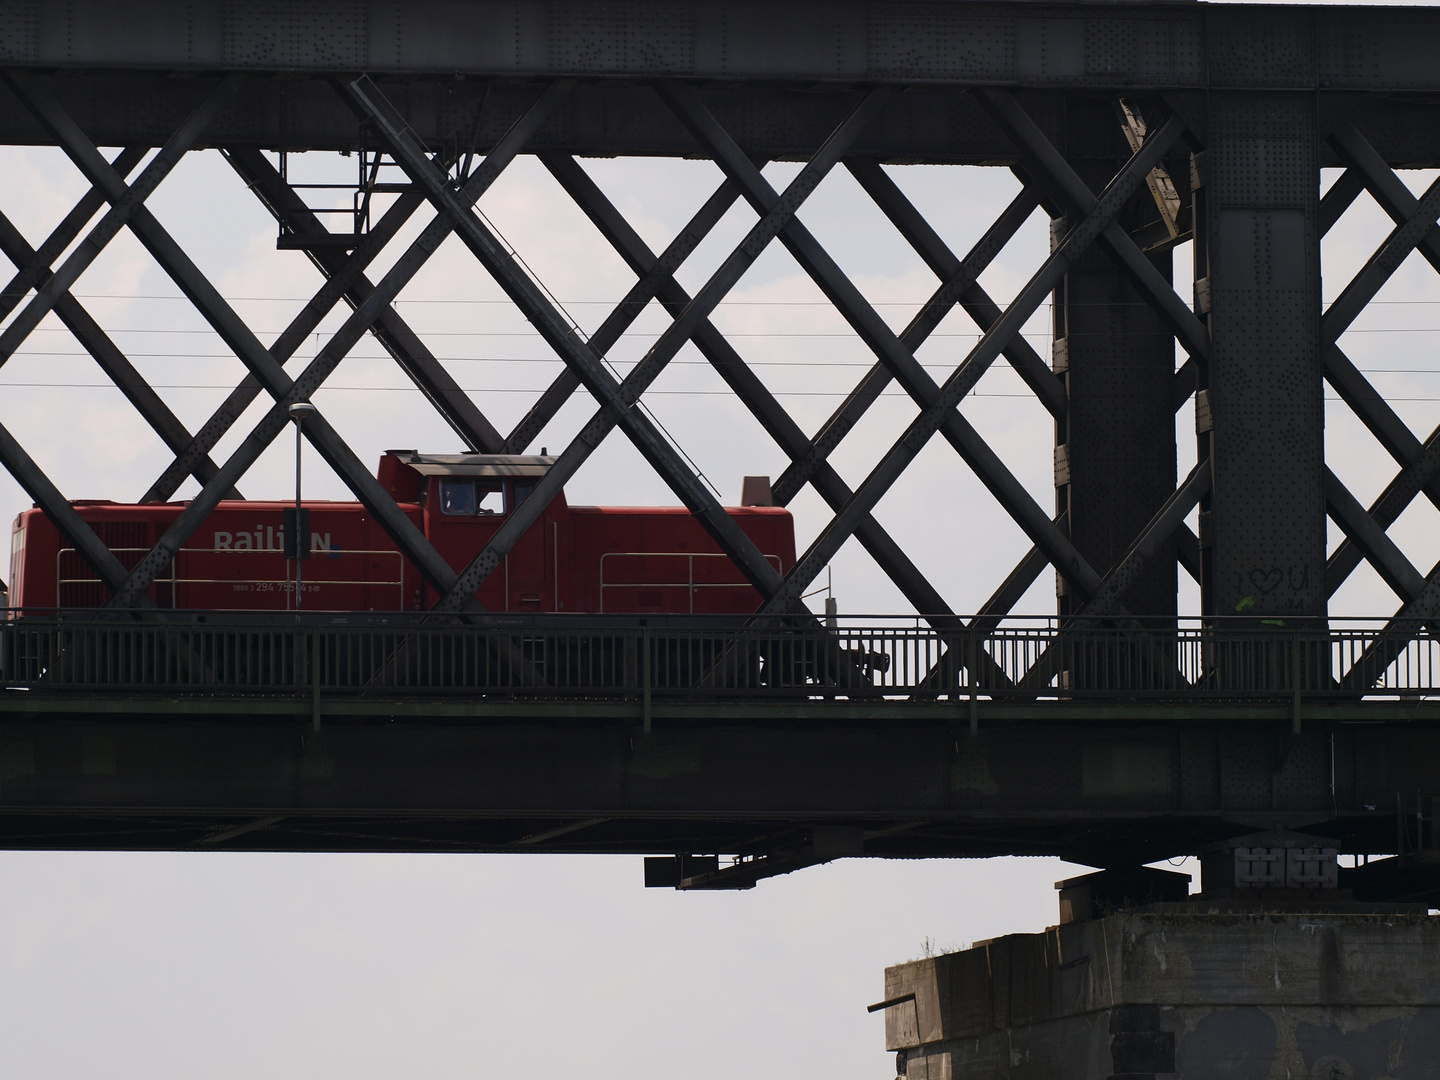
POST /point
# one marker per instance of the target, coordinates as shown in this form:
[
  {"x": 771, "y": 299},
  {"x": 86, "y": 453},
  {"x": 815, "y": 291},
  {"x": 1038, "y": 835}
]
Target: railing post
[
  {"x": 645, "y": 680},
  {"x": 1295, "y": 656},
  {"x": 315, "y": 678},
  {"x": 971, "y": 680}
]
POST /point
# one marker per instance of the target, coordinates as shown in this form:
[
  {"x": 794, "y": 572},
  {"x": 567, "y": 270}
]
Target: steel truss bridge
[{"x": 1115, "y": 734}]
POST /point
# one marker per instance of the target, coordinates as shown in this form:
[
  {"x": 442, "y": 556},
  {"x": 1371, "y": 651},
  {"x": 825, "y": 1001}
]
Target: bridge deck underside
[{"x": 1096, "y": 784}]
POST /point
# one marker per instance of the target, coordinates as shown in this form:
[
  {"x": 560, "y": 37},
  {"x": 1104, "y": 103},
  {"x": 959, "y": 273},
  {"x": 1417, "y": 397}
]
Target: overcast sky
[{"x": 225, "y": 965}]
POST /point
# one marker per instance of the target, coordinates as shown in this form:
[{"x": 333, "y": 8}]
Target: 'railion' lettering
[{"x": 273, "y": 540}]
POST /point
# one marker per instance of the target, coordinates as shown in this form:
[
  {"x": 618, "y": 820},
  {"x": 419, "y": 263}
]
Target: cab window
[{"x": 467, "y": 498}]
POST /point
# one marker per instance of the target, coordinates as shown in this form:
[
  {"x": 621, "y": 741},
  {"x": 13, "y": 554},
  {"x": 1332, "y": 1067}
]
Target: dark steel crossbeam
[
  {"x": 751, "y": 391},
  {"x": 868, "y": 390},
  {"x": 341, "y": 282},
  {"x": 283, "y": 350},
  {"x": 1342, "y": 194},
  {"x": 655, "y": 280},
  {"x": 1367, "y": 403},
  {"x": 237, "y": 336},
  {"x": 272, "y": 377},
  {"x": 1379, "y": 268},
  {"x": 47, "y": 496},
  {"x": 961, "y": 276},
  {"x": 1370, "y": 538},
  {"x": 939, "y": 408},
  {"x": 1144, "y": 547},
  {"x": 1055, "y": 173},
  {"x": 112, "y": 361},
  {"x": 37, "y": 268},
  {"x": 1396, "y": 636},
  {"x": 127, "y": 201},
  {"x": 430, "y": 783},
  {"x": 1419, "y": 461},
  {"x": 617, "y": 399},
  {"x": 1386, "y": 510},
  {"x": 873, "y": 330},
  {"x": 394, "y": 334}
]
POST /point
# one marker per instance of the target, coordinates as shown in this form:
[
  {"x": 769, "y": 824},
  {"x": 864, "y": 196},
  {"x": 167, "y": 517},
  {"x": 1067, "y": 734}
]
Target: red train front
[{"x": 614, "y": 560}]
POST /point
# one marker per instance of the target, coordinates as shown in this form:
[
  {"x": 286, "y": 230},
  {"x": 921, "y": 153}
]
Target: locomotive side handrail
[
  {"x": 689, "y": 584},
  {"x": 285, "y": 584},
  {"x": 599, "y": 658}
]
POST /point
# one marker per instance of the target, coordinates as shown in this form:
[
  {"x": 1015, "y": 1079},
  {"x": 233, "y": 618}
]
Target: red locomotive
[{"x": 574, "y": 559}]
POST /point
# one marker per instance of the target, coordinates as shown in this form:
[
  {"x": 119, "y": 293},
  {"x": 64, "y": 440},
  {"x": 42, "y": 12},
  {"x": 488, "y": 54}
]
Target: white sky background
[{"x": 228, "y": 965}]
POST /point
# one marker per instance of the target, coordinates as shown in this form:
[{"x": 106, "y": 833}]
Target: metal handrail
[
  {"x": 690, "y": 584},
  {"x": 702, "y": 659},
  {"x": 285, "y": 585}
]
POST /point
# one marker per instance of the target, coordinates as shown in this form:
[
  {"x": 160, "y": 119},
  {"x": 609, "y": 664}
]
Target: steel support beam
[
  {"x": 1115, "y": 441},
  {"x": 1033, "y": 781},
  {"x": 346, "y": 278},
  {"x": 112, "y": 361},
  {"x": 617, "y": 400},
  {"x": 657, "y": 279},
  {"x": 394, "y": 334},
  {"x": 1261, "y": 415},
  {"x": 939, "y": 404},
  {"x": 888, "y": 554}
]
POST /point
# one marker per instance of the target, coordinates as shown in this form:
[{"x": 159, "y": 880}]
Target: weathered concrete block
[{"x": 1190, "y": 996}]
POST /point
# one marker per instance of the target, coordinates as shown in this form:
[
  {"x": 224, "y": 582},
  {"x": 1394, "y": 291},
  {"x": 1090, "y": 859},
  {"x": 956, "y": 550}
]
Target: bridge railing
[{"x": 597, "y": 659}]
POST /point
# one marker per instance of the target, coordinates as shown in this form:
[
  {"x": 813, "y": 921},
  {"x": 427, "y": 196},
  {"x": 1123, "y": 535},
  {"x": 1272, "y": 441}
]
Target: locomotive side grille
[{"x": 80, "y": 585}]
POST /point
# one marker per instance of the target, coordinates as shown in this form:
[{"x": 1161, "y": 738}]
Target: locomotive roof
[{"x": 476, "y": 464}]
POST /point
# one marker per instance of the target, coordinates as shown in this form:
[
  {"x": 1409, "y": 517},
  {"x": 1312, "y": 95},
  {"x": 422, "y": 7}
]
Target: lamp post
[{"x": 297, "y": 536}]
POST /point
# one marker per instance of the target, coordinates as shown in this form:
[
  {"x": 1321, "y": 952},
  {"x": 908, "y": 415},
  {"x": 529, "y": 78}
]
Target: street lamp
[{"x": 297, "y": 527}]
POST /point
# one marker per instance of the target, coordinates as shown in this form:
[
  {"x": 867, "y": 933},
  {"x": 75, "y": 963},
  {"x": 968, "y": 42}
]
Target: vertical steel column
[
  {"x": 1115, "y": 444},
  {"x": 1260, "y": 406}
]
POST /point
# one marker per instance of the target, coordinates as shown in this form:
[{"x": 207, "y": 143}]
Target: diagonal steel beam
[
  {"x": 283, "y": 349},
  {"x": 1384, "y": 186},
  {"x": 1051, "y": 169},
  {"x": 1386, "y": 510},
  {"x": 108, "y": 355},
  {"x": 962, "y": 275},
  {"x": 399, "y": 275},
  {"x": 654, "y": 280},
  {"x": 393, "y": 333},
  {"x": 1165, "y": 523},
  {"x": 233, "y": 331},
  {"x": 1372, "y": 541},
  {"x": 274, "y": 380},
  {"x": 1395, "y": 637},
  {"x": 617, "y": 400},
  {"x": 1364, "y": 400},
  {"x": 1338, "y": 199},
  {"x": 940, "y": 409},
  {"x": 751, "y": 391},
  {"x": 268, "y": 372},
  {"x": 868, "y": 390},
  {"x": 1379, "y": 268},
  {"x": 1010, "y": 493},
  {"x": 893, "y": 353},
  {"x": 127, "y": 201},
  {"x": 34, "y": 271},
  {"x": 57, "y": 508}
]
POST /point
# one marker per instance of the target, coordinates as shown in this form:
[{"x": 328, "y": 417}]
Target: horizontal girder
[
  {"x": 939, "y": 125},
  {"x": 1051, "y": 45},
  {"x": 1091, "y": 783}
]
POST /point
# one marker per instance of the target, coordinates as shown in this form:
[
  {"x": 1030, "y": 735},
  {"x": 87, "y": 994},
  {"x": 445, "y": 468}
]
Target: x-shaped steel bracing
[{"x": 1054, "y": 185}]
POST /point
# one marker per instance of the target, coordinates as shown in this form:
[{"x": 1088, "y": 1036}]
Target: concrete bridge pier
[{"x": 1222, "y": 987}]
